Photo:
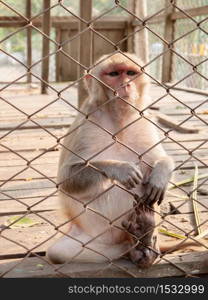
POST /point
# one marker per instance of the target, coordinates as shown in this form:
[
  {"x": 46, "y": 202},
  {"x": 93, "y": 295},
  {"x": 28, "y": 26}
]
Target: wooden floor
[{"x": 31, "y": 189}]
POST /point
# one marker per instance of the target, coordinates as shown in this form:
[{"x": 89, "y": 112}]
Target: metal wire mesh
[{"x": 29, "y": 163}]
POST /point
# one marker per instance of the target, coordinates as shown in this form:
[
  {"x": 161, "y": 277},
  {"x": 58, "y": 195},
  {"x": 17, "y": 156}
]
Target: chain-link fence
[{"x": 171, "y": 38}]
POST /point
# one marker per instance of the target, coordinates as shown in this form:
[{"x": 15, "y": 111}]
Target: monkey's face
[{"x": 123, "y": 80}]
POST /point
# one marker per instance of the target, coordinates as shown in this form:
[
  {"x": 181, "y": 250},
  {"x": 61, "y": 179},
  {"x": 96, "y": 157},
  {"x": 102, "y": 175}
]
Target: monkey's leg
[
  {"x": 141, "y": 224},
  {"x": 76, "y": 246}
]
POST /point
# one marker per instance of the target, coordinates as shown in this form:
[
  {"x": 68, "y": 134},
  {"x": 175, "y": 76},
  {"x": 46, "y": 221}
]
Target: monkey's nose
[{"x": 125, "y": 84}]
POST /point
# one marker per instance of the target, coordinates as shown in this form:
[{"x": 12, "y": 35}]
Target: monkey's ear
[{"x": 94, "y": 88}]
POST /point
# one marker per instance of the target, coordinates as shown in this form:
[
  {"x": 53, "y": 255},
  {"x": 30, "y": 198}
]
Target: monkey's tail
[{"x": 174, "y": 246}]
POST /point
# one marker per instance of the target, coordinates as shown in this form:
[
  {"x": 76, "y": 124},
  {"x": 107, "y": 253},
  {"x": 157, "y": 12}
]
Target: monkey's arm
[
  {"x": 79, "y": 177},
  {"x": 156, "y": 184}
]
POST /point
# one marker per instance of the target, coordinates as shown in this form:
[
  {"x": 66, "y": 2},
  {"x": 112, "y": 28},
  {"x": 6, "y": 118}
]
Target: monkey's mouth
[{"x": 124, "y": 92}]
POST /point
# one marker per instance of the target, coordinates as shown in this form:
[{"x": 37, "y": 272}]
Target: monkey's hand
[
  {"x": 156, "y": 185},
  {"x": 128, "y": 174},
  {"x": 155, "y": 189}
]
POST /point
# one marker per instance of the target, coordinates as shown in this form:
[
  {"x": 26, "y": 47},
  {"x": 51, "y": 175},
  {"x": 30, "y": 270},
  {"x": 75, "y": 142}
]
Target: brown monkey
[
  {"x": 113, "y": 154},
  {"x": 141, "y": 224}
]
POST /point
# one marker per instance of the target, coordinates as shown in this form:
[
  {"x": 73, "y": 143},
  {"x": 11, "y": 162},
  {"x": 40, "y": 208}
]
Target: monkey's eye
[
  {"x": 131, "y": 73},
  {"x": 113, "y": 74}
]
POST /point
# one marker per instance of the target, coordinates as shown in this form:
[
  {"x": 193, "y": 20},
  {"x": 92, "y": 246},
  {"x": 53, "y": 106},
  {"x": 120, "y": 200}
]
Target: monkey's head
[{"x": 118, "y": 75}]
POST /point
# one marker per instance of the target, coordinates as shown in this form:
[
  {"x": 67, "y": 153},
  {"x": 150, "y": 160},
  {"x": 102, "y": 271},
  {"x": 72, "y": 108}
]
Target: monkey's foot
[{"x": 143, "y": 256}]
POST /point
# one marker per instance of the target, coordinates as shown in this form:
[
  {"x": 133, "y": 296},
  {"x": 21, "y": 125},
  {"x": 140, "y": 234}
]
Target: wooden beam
[
  {"x": 58, "y": 56},
  {"x": 141, "y": 37},
  {"x": 131, "y": 4},
  {"x": 85, "y": 45},
  {"x": 187, "y": 89},
  {"x": 107, "y": 22},
  {"x": 29, "y": 41},
  {"x": 180, "y": 265},
  {"x": 193, "y": 12},
  {"x": 45, "y": 46},
  {"x": 14, "y": 21},
  {"x": 168, "y": 36},
  {"x": 177, "y": 15},
  {"x": 153, "y": 20}
]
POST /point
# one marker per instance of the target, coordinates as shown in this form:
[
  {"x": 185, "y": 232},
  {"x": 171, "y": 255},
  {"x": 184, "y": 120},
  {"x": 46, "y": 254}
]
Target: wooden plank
[
  {"x": 18, "y": 172},
  {"x": 193, "y": 12},
  {"x": 41, "y": 235},
  {"x": 25, "y": 189},
  {"x": 21, "y": 205},
  {"x": 192, "y": 263},
  {"x": 184, "y": 224},
  {"x": 47, "y": 123},
  {"x": 176, "y": 137},
  {"x": 42, "y": 147},
  {"x": 197, "y": 140},
  {"x": 10, "y": 160},
  {"x": 66, "y": 22},
  {"x": 181, "y": 175},
  {"x": 40, "y": 104},
  {"x": 151, "y": 20},
  {"x": 100, "y": 46},
  {"x": 188, "y": 90},
  {"x": 42, "y": 144},
  {"x": 85, "y": 44},
  {"x": 185, "y": 207},
  {"x": 45, "y": 46},
  {"x": 180, "y": 151}
]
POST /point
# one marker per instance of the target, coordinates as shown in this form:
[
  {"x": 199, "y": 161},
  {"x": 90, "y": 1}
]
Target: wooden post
[
  {"x": 131, "y": 4},
  {"x": 141, "y": 38},
  {"x": 29, "y": 40},
  {"x": 169, "y": 36},
  {"x": 85, "y": 45},
  {"x": 45, "y": 46},
  {"x": 58, "y": 56}
]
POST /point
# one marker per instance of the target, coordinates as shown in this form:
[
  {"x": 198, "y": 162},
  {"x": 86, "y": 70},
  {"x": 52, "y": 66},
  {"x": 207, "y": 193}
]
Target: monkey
[
  {"x": 111, "y": 153},
  {"x": 141, "y": 223}
]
